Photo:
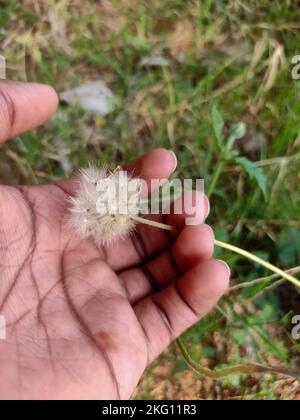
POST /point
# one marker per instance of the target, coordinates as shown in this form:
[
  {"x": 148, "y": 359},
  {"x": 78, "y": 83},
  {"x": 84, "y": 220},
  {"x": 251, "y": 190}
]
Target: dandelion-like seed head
[{"x": 106, "y": 204}]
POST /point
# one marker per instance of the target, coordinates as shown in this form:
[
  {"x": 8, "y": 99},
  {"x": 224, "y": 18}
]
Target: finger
[
  {"x": 149, "y": 241},
  {"x": 192, "y": 208},
  {"x": 193, "y": 245},
  {"x": 166, "y": 314},
  {"x": 156, "y": 164},
  {"x": 24, "y": 106}
]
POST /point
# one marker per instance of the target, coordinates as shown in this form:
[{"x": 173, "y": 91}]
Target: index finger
[{"x": 24, "y": 106}]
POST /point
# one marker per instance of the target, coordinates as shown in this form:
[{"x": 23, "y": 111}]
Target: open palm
[{"x": 84, "y": 322}]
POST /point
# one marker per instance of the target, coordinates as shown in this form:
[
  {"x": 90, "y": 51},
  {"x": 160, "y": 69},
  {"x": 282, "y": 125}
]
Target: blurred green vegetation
[{"x": 233, "y": 55}]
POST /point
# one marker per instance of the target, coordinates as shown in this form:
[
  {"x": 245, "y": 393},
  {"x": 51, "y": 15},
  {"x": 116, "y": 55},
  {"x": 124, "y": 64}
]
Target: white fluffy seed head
[{"x": 106, "y": 204}]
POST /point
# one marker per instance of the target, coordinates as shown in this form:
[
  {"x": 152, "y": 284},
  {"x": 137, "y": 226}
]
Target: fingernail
[
  {"x": 174, "y": 157},
  {"x": 207, "y": 208},
  {"x": 211, "y": 229},
  {"x": 227, "y": 266}
]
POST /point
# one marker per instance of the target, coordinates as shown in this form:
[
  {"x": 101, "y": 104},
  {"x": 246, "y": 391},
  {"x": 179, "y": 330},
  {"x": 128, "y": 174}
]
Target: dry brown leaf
[{"x": 182, "y": 38}]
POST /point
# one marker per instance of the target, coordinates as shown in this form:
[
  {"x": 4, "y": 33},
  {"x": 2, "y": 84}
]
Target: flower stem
[
  {"x": 240, "y": 369},
  {"x": 249, "y": 368},
  {"x": 232, "y": 248},
  {"x": 154, "y": 223},
  {"x": 260, "y": 261},
  {"x": 276, "y": 277}
]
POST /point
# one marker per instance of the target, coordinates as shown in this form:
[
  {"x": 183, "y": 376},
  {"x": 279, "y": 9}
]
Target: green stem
[
  {"x": 249, "y": 368},
  {"x": 276, "y": 277},
  {"x": 260, "y": 261},
  {"x": 215, "y": 178},
  {"x": 232, "y": 248},
  {"x": 240, "y": 369}
]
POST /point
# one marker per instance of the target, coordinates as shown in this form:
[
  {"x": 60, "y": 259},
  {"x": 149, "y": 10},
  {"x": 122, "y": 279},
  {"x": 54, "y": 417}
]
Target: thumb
[{"x": 24, "y": 106}]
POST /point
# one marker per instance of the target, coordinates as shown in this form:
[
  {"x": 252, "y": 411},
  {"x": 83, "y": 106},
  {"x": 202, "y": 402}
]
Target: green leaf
[
  {"x": 254, "y": 172},
  {"x": 289, "y": 246},
  {"x": 218, "y": 124},
  {"x": 181, "y": 365},
  {"x": 254, "y": 290}
]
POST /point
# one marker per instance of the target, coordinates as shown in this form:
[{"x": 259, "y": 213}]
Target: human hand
[{"x": 84, "y": 322}]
